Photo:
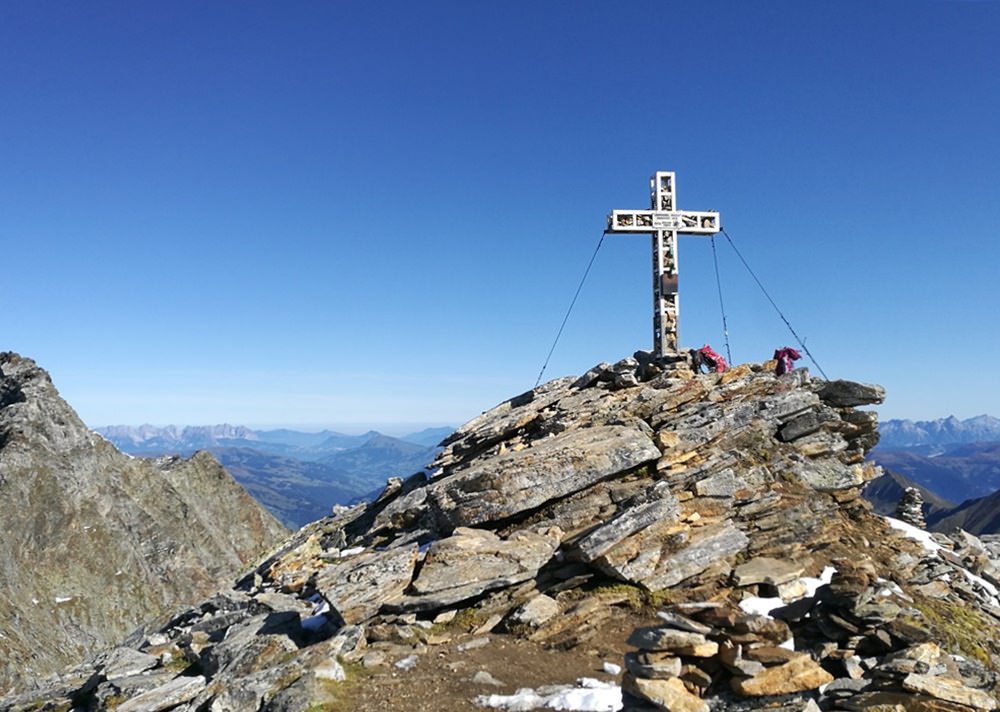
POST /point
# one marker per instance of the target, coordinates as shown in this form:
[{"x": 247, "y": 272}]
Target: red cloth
[
  {"x": 785, "y": 356},
  {"x": 714, "y": 361}
]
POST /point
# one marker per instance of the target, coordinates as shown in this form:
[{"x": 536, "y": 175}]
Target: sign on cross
[{"x": 664, "y": 222}]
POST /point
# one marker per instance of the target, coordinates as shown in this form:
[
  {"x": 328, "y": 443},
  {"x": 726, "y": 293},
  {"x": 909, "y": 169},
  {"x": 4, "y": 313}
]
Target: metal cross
[{"x": 664, "y": 221}]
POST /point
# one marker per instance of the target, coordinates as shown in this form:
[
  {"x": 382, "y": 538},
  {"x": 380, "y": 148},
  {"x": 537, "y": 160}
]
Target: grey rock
[
  {"x": 484, "y": 678},
  {"x": 536, "y": 612},
  {"x": 472, "y": 561},
  {"x": 663, "y": 508},
  {"x": 847, "y": 394},
  {"x": 173, "y": 693},
  {"x": 348, "y": 643},
  {"x": 473, "y": 644},
  {"x": 260, "y": 642},
  {"x": 845, "y": 687},
  {"x": 805, "y": 424},
  {"x": 132, "y": 685},
  {"x": 682, "y": 622},
  {"x": 360, "y": 585},
  {"x": 660, "y": 668},
  {"x": 783, "y": 407},
  {"x": 552, "y": 468},
  {"x": 592, "y": 376},
  {"x": 662, "y": 638},
  {"x": 910, "y": 508},
  {"x": 123, "y": 662},
  {"x": 657, "y": 570},
  {"x": 720, "y": 484},
  {"x": 831, "y": 475},
  {"x": 763, "y": 569}
]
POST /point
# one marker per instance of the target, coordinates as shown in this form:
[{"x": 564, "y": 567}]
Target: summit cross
[{"x": 664, "y": 222}]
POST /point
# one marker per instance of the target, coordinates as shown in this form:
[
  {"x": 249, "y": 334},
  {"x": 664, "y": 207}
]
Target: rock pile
[
  {"x": 859, "y": 642},
  {"x": 910, "y": 508},
  {"x": 560, "y": 509}
]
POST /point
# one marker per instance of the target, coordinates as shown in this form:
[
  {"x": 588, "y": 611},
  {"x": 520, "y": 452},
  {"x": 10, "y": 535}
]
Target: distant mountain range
[
  {"x": 947, "y": 459},
  {"x": 295, "y": 443},
  {"x": 925, "y": 434},
  {"x": 296, "y": 475}
]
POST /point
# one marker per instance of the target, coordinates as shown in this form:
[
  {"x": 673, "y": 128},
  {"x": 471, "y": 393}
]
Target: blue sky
[{"x": 355, "y": 214}]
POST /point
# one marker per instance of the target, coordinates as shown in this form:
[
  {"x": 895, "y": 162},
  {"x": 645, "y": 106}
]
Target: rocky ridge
[
  {"x": 637, "y": 485},
  {"x": 96, "y": 541}
]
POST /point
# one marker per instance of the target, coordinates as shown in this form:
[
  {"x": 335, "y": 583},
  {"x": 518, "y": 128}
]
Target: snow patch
[
  {"x": 813, "y": 584},
  {"x": 755, "y": 605},
  {"x": 915, "y": 533},
  {"x": 318, "y": 619},
  {"x": 979, "y": 581},
  {"x": 588, "y": 695},
  {"x": 407, "y": 663},
  {"x": 931, "y": 546}
]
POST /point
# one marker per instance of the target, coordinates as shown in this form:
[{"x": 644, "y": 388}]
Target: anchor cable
[
  {"x": 571, "y": 305},
  {"x": 722, "y": 306},
  {"x": 752, "y": 274}
]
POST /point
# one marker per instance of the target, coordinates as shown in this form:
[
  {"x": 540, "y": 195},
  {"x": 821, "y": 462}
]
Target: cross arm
[{"x": 687, "y": 221}]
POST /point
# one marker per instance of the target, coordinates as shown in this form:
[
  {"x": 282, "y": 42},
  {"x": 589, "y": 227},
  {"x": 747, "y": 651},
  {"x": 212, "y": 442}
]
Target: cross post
[{"x": 664, "y": 222}]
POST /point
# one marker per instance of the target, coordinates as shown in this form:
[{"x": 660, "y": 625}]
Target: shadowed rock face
[
  {"x": 95, "y": 542},
  {"x": 705, "y": 490}
]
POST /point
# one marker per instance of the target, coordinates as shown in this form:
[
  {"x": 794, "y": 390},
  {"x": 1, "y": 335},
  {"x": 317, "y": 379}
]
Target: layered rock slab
[
  {"x": 548, "y": 470},
  {"x": 472, "y": 561}
]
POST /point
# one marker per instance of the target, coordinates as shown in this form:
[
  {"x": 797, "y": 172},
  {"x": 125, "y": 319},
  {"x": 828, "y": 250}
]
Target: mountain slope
[
  {"x": 550, "y": 526},
  {"x": 976, "y": 516},
  {"x": 429, "y": 437},
  {"x": 961, "y": 472},
  {"x": 295, "y": 491},
  {"x": 97, "y": 541},
  {"x": 297, "y": 476},
  {"x": 381, "y": 457},
  {"x": 885, "y": 492}
]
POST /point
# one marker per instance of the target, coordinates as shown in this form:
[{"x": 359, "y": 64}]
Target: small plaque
[
  {"x": 668, "y": 221},
  {"x": 668, "y": 283}
]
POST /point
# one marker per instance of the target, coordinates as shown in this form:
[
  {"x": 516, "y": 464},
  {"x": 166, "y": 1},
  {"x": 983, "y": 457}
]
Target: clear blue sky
[{"x": 351, "y": 214}]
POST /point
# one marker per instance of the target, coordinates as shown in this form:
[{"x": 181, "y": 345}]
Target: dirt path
[{"x": 442, "y": 681}]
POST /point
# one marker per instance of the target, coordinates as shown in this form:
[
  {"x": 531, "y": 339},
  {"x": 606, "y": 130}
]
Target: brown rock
[
  {"x": 943, "y": 688},
  {"x": 669, "y": 694},
  {"x": 767, "y": 570},
  {"x": 472, "y": 561},
  {"x": 667, "y": 639},
  {"x": 771, "y": 655},
  {"x": 887, "y": 701},
  {"x": 659, "y": 668},
  {"x": 796, "y": 675}
]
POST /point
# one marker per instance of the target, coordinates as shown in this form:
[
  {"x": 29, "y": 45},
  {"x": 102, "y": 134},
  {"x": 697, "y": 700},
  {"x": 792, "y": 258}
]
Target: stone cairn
[
  {"x": 910, "y": 508},
  {"x": 851, "y": 646}
]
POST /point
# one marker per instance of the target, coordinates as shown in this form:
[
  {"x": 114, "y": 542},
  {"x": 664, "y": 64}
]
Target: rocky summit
[
  {"x": 96, "y": 542},
  {"x": 708, "y": 527}
]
